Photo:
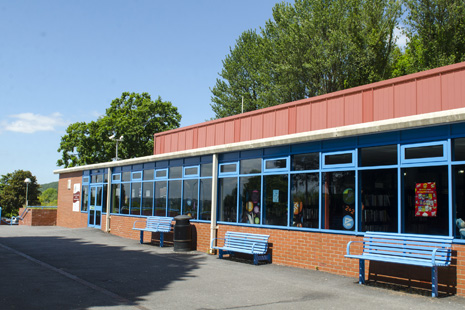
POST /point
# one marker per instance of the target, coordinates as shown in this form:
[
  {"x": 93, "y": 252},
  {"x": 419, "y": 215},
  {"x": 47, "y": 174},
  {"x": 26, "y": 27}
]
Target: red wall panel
[
  {"x": 318, "y": 117},
  {"x": 257, "y": 126},
  {"x": 269, "y": 124},
  {"x": 453, "y": 90},
  {"x": 405, "y": 99},
  {"x": 383, "y": 104},
  {"x": 303, "y": 117},
  {"x": 353, "y": 109},
  {"x": 335, "y": 112},
  {"x": 282, "y": 122},
  {"x": 429, "y": 94}
]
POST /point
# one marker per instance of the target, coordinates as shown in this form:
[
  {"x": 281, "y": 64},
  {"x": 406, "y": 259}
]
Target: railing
[{"x": 14, "y": 220}]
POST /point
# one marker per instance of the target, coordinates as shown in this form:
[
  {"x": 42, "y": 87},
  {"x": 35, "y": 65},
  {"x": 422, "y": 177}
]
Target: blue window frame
[
  {"x": 424, "y": 152},
  {"x": 228, "y": 169},
  {"x": 161, "y": 174},
  {"x": 338, "y": 160},
  {"x": 137, "y": 175},
  {"x": 191, "y": 171},
  {"x": 116, "y": 177},
  {"x": 274, "y": 165}
]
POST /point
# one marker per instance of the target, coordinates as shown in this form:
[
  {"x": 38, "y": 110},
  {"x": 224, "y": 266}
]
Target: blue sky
[{"x": 63, "y": 62}]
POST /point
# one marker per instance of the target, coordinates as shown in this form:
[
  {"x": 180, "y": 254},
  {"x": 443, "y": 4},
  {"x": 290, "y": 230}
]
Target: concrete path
[{"x": 61, "y": 268}]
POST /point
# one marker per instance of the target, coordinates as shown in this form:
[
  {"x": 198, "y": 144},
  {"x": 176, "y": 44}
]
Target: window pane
[
  {"x": 126, "y": 176},
  {"x": 116, "y": 177},
  {"x": 426, "y": 200},
  {"x": 276, "y": 200},
  {"x": 190, "y": 198},
  {"x": 160, "y": 198},
  {"x": 85, "y": 198},
  {"x": 175, "y": 173},
  {"x": 148, "y": 174},
  {"x": 100, "y": 178},
  {"x": 205, "y": 199},
  {"x": 161, "y": 173},
  {"x": 424, "y": 152},
  {"x": 304, "y": 200},
  {"x": 206, "y": 170},
  {"x": 251, "y": 166},
  {"x": 379, "y": 155},
  {"x": 98, "y": 198},
  {"x": 174, "y": 198},
  {"x": 338, "y": 159},
  {"x": 125, "y": 192},
  {"x": 459, "y": 194},
  {"x": 459, "y": 149},
  {"x": 339, "y": 200},
  {"x": 137, "y": 175},
  {"x": 228, "y": 168},
  {"x": 191, "y": 171},
  {"x": 310, "y": 161},
  {"x": 136, "y": 196},
  {"x": 147, "y": 198},
  {"x": 115, "y": 200},
  {"x": 228, "y": 199},
  {"x": 379, "y": 200},
  {"x": 250, "y": 199},
  {"x": 276, "y": 164},
  {"x": 93, "y": 193}
]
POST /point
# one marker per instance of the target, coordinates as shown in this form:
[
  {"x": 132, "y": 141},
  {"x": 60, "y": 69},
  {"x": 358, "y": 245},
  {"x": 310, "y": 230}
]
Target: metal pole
[
  {"x": 27, "y": 189},
  {"x": 213, "y": 226}
]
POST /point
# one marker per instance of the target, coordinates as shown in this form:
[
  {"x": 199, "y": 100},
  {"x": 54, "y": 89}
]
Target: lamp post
[
  {"x": 117, "y": 140},
  {"x": 27, "y": 181}
]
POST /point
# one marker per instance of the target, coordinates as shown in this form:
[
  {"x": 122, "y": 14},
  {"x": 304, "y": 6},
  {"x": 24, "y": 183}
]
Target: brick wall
[
  {"x": 66, "y": 217},
  {"x": 39, "y": 217}
]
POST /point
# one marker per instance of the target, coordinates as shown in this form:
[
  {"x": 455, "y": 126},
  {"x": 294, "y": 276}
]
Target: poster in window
[
  {"x": 76, "y": 197},
  {"x": 426, "y": 201}
]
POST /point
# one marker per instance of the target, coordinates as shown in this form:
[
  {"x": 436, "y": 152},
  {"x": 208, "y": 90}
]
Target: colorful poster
[
  {"x": 426, "y": 201},
  {"x": 76, "y": 197}
]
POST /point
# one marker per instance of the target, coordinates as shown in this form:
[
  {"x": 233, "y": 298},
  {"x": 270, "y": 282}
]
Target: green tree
[
  {"x": 309, "y": 48},
  {"x": 135, "y": 116},
  {"x": 49, "y": 197},
  {"x": 436, "y": 35},
  {"x": 13, "y": 192}
]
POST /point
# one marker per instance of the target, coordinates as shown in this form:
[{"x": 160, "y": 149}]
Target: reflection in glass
[
  {"x": 190, "y": 198},
  {"x": 338, "y": 159},
  {"x": 249, "y": 166},
  {"x": 174, "y": 198},
  {"x": 147, "y": 198},
  {"x": 339, "y": 200},
  {"x": 125, "y": 192},
  {"x": 378, "y": 155},
  {"x": 424, "y": 152},
  {"x": 459, "y": 194},
  {"x": 304, "y": 200},
  {"x": 228, "y": 199},
  {"x": 175, "y": 172},
  {"x": 115, "y": 200},
  {"x": 85, "y": 198},
  {"x": 276, "y": 194},
  {"x": 135, "y": 198},
  {"x": 250, "y": 199},
  {"x": 206, "y": 170},
  {"x": 310, "y": 161},
  {"x": 160, "y": 198},
  {"x": 205, "y": 199}
]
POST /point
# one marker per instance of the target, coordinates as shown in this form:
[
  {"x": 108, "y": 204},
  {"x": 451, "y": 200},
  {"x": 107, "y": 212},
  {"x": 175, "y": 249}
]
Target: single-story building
[{"x": 313, "y": 174}]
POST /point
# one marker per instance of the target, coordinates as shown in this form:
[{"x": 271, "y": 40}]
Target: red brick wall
[
  {"x": 65, "y": 215},
  {"x": 39, "y": 217}
]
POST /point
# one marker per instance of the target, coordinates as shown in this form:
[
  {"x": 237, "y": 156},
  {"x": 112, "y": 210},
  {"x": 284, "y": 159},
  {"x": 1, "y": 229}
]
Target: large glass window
[
  {"x": 309, "y": 161},
  {"x": 459, "y": 194},
  {"x": 459, "y": 149},
  {"x": 190, "y": 197},
  {"x": 378, "y": 155},
  {"x": 174, "y": 198},
  {"x": 250, "y": 199},
  {"x": 115, "y": 197},
  {"x": 379, "y": 200},
  {"x": 249, "y": 166},
  {"x": 136, "y": 198},
  {"x": 426, "y": 202},
  {"x": 160, "y": 198},
  {"x": 205, "y": 199},
  {"x": 339, "y": 200},
  {"x": 227, "y": 200},
  {"x": 304, "y": 200},
  {"x": 85, "y": 198},
  {"x": 275, "y": 210},
  {"x": 147, "y": 198},
  {"x": 125, "y": 194},
  {"x": 175, "y": 172}
]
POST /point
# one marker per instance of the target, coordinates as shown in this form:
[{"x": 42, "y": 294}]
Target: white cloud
[
  {"x": 401, "y": 37},
  {"x": 31, "y": 123}
]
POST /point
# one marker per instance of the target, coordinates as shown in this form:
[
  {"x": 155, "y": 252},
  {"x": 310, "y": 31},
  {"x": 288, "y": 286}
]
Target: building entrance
[{"x": 95, "y": 207}]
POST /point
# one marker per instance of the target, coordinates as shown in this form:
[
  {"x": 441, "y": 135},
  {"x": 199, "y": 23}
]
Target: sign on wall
[
  {"x": 426, "y": 201},
  {"x": 76, "y": 197}
]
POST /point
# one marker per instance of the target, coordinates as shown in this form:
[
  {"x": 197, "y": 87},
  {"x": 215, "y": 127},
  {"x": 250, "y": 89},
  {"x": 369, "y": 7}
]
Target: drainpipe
[
  {"x": 213, "y": 227},
  {"x": 107, "y": 220}
]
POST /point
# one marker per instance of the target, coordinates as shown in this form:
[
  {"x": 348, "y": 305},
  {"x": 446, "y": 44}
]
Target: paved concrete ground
[{"x": 60, "y": 268}]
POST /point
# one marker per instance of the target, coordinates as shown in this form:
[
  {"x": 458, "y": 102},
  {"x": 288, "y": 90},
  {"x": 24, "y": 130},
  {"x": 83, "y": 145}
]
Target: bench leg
[
  {"x": 361, "y": 271},
  {"x": 161, "y": 239},
  {"x": 220, "y": 254},
  {"x": 434, "y": 281},
  {"x": 141, "y": 236},
  {"x": 255, "y": 259}
]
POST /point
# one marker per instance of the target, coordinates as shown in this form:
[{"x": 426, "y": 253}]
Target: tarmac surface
[{"x": 61, "y": 268}]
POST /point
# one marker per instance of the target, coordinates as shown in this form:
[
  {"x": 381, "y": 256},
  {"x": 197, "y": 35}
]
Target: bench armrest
[
  {"x": 433, "y": 255},
  {"x": 134, "y": 225},
  {"x": 213, "y": 241},
  {"x": 348, "y": 245}
]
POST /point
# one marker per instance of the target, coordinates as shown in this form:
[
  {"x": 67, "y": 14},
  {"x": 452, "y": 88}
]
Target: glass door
[{"x": 95, "y": 206}]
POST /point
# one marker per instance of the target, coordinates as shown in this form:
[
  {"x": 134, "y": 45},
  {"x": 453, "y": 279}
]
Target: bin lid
[{"x": 180, "y": 219}]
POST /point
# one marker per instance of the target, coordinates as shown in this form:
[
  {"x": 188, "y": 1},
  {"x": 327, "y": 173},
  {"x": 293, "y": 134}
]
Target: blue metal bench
[
  {"x": 418, "y": 250},
  {"x": 154, "y": 224},
  {"x": 254, "y": 244}
]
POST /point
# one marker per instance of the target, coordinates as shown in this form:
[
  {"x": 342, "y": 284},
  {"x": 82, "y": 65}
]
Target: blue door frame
[{"x": 94, "y": 217}]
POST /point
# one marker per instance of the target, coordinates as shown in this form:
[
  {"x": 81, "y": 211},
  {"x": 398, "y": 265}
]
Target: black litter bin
[{"x": 182, "y": 234}]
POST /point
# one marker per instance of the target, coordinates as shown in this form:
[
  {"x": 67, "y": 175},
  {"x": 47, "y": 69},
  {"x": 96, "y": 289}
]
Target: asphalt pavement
[{"x": 62, "y": 268}]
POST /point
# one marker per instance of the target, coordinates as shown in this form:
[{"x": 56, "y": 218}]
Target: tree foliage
[
  {"x": 135, "y": 116},
  {"x": 49, "y": 197},
  {"x": 309, "y": 48},
  {"x": 435, "y": 30},
  {"x": 13, "y": 192}
]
